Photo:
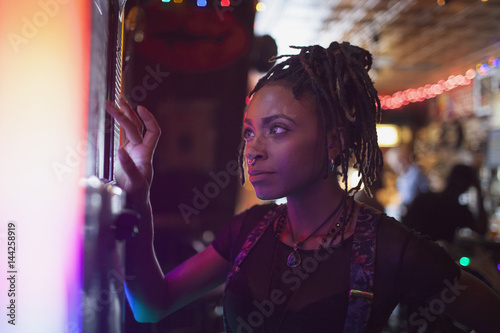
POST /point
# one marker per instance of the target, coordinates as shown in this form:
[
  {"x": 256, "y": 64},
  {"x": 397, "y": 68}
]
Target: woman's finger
[
  {"x": 127, "y": 109},
  {"x": 131, "y": 130},
  {"x": 112, "y": 109},
  {"x": 153, "y": 130}
]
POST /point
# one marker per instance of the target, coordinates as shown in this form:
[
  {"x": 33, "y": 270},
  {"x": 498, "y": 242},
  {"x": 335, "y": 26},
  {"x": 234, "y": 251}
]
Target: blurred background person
[
  {"x": 410, "y": 181},
  {"x": 439, "y": 214}
]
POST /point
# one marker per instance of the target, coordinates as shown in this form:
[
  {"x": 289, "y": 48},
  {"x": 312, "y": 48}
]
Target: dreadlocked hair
[{"x": 347, "y": 102}]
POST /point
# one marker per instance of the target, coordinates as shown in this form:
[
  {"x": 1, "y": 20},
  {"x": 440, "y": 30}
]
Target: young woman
[{"x": 323, "y": 262}]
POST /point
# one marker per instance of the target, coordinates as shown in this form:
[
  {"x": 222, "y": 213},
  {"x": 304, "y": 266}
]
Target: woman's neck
[{"x": 306, "y": 212}]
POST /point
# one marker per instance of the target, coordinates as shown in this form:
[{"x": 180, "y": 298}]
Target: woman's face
[{"x": 282, "y": 134}]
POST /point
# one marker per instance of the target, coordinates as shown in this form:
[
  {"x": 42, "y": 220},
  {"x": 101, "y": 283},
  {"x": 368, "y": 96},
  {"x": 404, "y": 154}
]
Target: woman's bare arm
[
  {"x": 152, "y": 295},
  {"x": 472, "y": 303}
]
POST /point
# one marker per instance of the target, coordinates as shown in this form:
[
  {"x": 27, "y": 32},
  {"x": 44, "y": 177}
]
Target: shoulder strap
[
  {"x": 253, "y": 237},
  {"x": 362, "y": 271}
]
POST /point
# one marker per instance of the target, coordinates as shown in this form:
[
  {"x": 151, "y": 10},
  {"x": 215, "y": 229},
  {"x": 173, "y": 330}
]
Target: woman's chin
[{"x": 266, "y": 196}]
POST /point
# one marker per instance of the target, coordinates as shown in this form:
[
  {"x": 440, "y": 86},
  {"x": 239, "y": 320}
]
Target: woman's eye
[
  {"x": 277, "y": 129},
  {"x": 247, "y": 133}
]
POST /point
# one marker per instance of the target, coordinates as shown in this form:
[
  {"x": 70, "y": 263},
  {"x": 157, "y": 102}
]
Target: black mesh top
[{"x": 313, "y": 298}]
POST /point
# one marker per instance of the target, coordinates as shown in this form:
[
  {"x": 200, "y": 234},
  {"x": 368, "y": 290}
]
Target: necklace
[
  {"x": 294, "y": 258},
  {"x": 279, "y": 226}
]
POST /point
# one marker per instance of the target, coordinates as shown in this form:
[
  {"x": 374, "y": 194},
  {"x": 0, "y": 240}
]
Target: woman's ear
[{"x": 334, "y": 145}]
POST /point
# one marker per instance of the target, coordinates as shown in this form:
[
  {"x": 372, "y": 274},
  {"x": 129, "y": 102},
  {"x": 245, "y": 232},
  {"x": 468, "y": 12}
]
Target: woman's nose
[{"x": 255, "y": 149}]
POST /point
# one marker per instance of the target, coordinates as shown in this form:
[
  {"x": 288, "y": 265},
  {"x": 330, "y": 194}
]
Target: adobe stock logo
[
  {"x": 150, "y": 82},
  {"x": 437, "y": 306},
  {"x": 32, "y": 25},
  {"x": 211, "y": 190}
]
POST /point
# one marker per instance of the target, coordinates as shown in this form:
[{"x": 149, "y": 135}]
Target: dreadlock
[{"x": 347, "y": 102}]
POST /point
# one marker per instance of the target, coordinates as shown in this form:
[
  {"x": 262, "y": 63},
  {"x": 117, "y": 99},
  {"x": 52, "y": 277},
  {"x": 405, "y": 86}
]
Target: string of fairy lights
[
  {"x": 414, "y": 95},
  {"x": 404, "y": 97}
]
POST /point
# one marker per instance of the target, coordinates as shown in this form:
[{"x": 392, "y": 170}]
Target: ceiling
[{"x": 414, "y": 42}]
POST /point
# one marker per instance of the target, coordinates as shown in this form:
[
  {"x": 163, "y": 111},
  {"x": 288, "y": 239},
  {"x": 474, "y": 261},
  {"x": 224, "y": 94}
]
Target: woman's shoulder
[
  {"x": 407, "y": 250},
  {"x": 410, "y": 267},
  {"x": 246, "y": 220},
  {"x": 389, "y": 227},
  {"x": 237, "y": 229},
  {"x": 380, "y": 222},
  {"x": 396, "y": 238},
  {"x": 392, "y": 237}
]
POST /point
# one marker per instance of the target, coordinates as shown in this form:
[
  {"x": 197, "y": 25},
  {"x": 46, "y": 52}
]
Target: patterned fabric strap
[
  {"x": 253, "y": 238},
  {"x": 362, "y": 271},
  {"x": 250, "y": 242}
]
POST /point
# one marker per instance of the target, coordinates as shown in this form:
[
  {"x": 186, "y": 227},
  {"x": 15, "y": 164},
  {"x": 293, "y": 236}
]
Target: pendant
[{"x": 294, "y": 259}]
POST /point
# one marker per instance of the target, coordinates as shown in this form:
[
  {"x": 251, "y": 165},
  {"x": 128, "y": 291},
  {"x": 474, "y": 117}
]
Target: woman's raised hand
[{"x": 134, "y": 172}]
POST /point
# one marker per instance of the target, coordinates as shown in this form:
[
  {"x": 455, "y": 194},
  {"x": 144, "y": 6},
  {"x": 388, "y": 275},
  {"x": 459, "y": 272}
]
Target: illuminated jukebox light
[{"x": 44, "y": 61}]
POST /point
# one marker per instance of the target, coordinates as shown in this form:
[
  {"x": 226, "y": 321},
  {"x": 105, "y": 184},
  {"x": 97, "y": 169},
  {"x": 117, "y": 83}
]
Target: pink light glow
[
  {"x": 44, "y": 61},
  {"x": 400, "y": 98}
]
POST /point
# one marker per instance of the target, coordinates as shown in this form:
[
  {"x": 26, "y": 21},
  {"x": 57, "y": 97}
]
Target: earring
[
  {"x": 332, "y": 165},
  {"x": 251, "y": 161}
]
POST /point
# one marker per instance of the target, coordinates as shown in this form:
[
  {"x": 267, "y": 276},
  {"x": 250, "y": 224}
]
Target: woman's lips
[{"x": 259, "y": 175}]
